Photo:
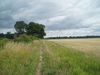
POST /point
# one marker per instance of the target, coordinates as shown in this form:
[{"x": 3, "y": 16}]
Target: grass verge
[
  {"x": 59, "y": 60},
  {"x": 19, "y": 58}
]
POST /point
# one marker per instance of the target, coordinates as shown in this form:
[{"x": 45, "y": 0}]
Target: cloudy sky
[{"x": 61, "y": 17}]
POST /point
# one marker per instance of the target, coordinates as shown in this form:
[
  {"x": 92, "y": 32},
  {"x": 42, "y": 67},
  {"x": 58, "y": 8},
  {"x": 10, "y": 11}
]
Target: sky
[{"x": 61, "y": 17}]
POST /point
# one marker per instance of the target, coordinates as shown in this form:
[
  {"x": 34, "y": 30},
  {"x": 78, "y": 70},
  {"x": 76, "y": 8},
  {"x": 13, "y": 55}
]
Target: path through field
[
  {"x": 56, "y": 59},
  {"x": 38, "y": 72},
  {"x": 43, "y": 57},
  {"x": 43, "y": 49}
]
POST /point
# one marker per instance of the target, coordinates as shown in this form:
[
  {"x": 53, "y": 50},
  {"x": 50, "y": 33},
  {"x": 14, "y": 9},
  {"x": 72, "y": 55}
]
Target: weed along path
[{"x": 38, "y": 72}]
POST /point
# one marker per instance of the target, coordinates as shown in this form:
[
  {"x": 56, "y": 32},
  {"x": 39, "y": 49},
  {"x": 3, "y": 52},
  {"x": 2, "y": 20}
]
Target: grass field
[{"x": 51, "y": 57}]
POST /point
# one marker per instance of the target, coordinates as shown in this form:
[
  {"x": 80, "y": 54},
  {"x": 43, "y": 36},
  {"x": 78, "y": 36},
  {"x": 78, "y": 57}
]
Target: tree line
[
  {"x": 33, "y": 29},
  {"x": 65, "y": 37}
]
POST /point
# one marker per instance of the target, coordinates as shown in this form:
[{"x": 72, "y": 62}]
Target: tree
[
  {"x": 41, "y": 31},
  {"x": 35, "y": 29},
  {"x": 2, "y": 35},
  {"x": 20, "y": 27},
  {"x": 9, "y": 35}
]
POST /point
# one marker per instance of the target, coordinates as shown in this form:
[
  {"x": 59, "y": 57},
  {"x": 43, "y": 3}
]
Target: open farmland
[
  {"x": 51, "y": 57},
  {"x": 91, "y": 46}
]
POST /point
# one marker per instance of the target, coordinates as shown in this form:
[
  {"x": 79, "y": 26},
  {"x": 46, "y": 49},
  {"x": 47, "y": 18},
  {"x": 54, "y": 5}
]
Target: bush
[
  {"x": 25, "y": 38},
  {"x": 33, "y": 37}
]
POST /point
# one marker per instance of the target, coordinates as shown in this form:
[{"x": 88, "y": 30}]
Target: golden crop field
[{"x": 91, "y": 46}]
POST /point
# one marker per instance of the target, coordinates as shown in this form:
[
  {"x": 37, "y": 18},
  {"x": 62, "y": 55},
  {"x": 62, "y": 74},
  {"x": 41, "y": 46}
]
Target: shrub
[
  {"x": 25, "y": 38},
  {"x": 22, "y": 38}
]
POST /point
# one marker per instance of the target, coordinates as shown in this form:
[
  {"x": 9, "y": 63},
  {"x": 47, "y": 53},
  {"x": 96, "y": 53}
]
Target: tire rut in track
[{"x": 38, "y": 71}]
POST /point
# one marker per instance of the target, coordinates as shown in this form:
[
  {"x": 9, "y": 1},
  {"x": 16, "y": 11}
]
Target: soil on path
[{"x": 39, "y": 64}]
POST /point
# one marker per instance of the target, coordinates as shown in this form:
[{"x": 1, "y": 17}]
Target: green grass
[
  {"x": 23, "y": 59},
  {"x": 3, "y": 41},
  {"x": 59, "y": 60},
  {"x": 19, "y": 58}
]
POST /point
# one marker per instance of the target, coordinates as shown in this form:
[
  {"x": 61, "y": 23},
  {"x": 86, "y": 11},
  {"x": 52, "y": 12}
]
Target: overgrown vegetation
[
  {"x": 19, "y": 58},
  {"x": 25, "y": 38},
  {"x": 3, "y": 41},
  {"x": 59, "y": 60}
]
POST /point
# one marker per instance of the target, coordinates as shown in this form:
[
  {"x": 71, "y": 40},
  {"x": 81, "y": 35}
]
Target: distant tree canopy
[
  {"x": 8, "y": 35},
  {"x": 20, "y": 27},
  {"x": 34, "y": 29}
]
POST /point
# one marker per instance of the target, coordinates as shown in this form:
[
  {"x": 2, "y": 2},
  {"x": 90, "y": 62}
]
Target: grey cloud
[
  {"x": 95, "y": 3},
  {"x": 77, "y": 13},
  {"x": 44, "y": 10},
  {"x": 96, "y": 27},
  {"x": 8, "y": 9},
  {"x": 13, "y": 5},
  {"x": 76, "y": 18},
  {"x": 6, "y": 21},
  {"x": 39, "y": 10},
  {"x": 70, "y": 22}
]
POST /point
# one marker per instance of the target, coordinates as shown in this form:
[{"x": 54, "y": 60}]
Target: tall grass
[
  {"x": 59, "y": 60},
  {"x": 19, "y": 58},
  {"x": 22, "y": 59},
  {"x": 3, "y": 41}
]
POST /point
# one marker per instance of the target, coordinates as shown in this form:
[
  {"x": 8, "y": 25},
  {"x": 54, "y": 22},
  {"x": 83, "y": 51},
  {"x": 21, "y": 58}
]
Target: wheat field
[{"x": 90, "y": 45}]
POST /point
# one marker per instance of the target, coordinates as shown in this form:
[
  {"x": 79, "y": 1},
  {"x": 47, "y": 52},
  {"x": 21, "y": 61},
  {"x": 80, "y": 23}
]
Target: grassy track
[
  {"x": 46, "y": 58},
  {"x": 38, "y": 70}
]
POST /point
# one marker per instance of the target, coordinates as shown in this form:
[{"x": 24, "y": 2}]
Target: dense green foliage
[
  {"x": 20, "y": 27},
  {"x": 2, "y": 35},
  {"x": 25, "y": 38},
  {"x": 8, "y": 35},
  {"x": 25, "y": 32},
  {"x": 30, "y": 29},
  {"x": 35, "y": 29}
]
